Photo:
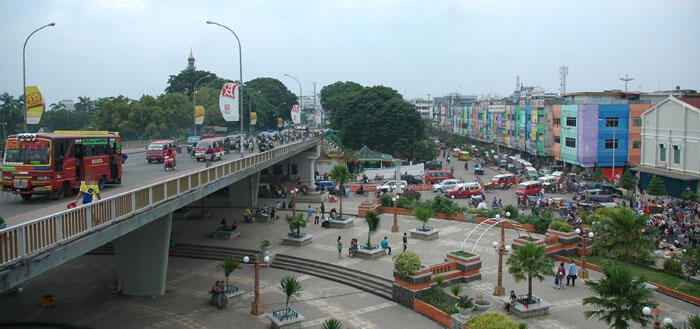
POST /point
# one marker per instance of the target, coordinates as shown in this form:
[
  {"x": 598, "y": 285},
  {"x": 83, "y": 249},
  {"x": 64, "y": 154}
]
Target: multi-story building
[
  {"x": 671, "y": 144},
  {"x": 424, "y": 107}
]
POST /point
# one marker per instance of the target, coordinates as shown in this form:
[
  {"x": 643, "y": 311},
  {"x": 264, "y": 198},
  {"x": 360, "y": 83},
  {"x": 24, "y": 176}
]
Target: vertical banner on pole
[
  {"x": 228, "y": 104},
  {"x": 253, "y": 118},
  {"x": 199, "y": 114},
  {"x": 35, "y": 105},
  {"x": 296, "y": 115}
]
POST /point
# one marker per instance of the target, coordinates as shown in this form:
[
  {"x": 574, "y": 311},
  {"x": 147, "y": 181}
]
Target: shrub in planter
[
  {"x": 689, "y": 195},
  {"x": 440, "y": 300},
  {"x": 407, "y": 263},
  {"x": 385, "y": 199},
  {"x": 541, "y": 223},
  {"x": 513, "y": 210},
  {"x": 423, "y": 215},
  {"x": 673, "y": 265},
  {"x": 561, "y": 226},
  {"x": 492, "y": 321}
]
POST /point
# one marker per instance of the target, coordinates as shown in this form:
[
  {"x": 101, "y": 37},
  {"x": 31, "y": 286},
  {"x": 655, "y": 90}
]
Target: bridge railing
[{"x": 37, "y": 235}]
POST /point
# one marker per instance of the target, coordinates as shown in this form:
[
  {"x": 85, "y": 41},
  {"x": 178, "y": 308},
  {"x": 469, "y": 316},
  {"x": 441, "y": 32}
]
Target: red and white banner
[
  {"x": 228, "y": 102},
  {"x": 296, "y": 115}
]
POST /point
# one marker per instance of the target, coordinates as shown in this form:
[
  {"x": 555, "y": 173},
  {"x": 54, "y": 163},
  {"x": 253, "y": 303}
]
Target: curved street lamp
[
  {"x": 240, "y": 80},
  {"x": 300, "y": 93},
  {"x": 24, "y": 71}
]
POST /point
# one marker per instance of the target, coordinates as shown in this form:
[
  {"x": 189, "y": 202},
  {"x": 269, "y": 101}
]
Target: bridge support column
[
  {"x": 142, "y": 257},
  {"x": 306, "y": 166},
  {"x": 244, "y": 193}
]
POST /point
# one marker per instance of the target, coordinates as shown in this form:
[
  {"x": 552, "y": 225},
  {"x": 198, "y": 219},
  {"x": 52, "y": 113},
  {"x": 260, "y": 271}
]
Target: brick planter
[
  {"x": 432, "y": 312},
  {"x": 416, "y": 233},
  {"x": 465, "y": 264},
  {"x": 565, "y": 237}
]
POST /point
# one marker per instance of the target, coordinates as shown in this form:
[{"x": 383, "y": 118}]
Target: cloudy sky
[{"x": 106, "y": 48}]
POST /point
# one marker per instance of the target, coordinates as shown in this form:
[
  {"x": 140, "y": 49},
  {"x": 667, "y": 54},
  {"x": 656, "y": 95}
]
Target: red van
[
  {"x": 156, "y": 150},
  {"x": 216, "y": 143},
  {"x": 434, "y": 176},
  {"x": 465, "y": 190},
  {"x": 528, "y": 188}
]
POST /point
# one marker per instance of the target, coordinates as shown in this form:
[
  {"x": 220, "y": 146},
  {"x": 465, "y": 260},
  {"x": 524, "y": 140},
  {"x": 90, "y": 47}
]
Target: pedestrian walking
[
  {"x": 309, "y": 212},
  {"x": 405, "y": 241},
  {"x": 572, "y": 274},
  {"x": 316, "y": 215},
  {"x": 323, "y": 208},
  {"x": 340, "y": 248},
  {"x": 561, "y": 273}
]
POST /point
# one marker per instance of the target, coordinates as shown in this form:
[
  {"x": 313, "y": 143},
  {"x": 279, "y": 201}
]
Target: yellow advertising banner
[
  {"x": 253, "y": 118},
  {"x": 280, "y": 123},
  {"x": 35, "y": 105},
  {"x": 199, "y": 114}
]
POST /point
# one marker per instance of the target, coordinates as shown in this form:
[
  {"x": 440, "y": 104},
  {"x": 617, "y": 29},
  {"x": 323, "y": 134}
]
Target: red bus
[
  {"x": 213, "y": 131},
  {"x": 55, "y": 163}
]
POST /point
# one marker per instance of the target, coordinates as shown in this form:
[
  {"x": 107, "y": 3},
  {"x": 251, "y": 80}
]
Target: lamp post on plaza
[
  {"x": 294, "y": 201},
  {"x": 240, "y": 81},
  {"x": 657, "y": 323},
  {"x": 256, "y": 307},
  {"x": 501, "y": 249},
  {"x": 584, "y": 272},
  {"x": 395, "y": 227},
  {"x": 24, "y": 71},
  {"x": 194, "y": 102}
]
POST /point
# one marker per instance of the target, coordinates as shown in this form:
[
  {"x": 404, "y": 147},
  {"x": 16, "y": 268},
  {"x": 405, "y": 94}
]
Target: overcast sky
[{"x": 106, "y": 48}]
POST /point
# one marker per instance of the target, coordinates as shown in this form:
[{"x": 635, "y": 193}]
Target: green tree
[
  {"x": 339, "y": 175},
  {"x": 598, "y": 174},
  {"x": 575, "y": 169},
  {"x": 656, "y": 186},
  {"x": 291, "y": 287},
  {"x": 530, "y": 262},
  {"x": 84, "y": 105},
  {"x": 372, "y": 226},
  {"x": 621, "y": 233},
  {"x": 423, "y": 215},
  {"x": 183, "y": 82},
  {"x": 619, "y": 298},
  {"x": 628, "y": 181},
  {"x": 690, "y": 260},
  {"x": 228, "y": 266},
  {"x": 57, "y": 107},
  {"x": 332, "y": 323},
  {"x": 296, "y": 223}
]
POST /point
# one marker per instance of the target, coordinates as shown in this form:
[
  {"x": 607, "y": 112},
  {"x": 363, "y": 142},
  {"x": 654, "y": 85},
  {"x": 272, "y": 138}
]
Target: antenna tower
[
  {"x": 563, "y": 72},
  {"x": 626, "y": 79}
]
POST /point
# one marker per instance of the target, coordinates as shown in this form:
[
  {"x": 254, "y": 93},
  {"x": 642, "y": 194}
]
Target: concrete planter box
[
  {"x": 346, "y": 222},
  {"x": 531, "y": 311},
  {"x": 565, "y": 237},
  {"x": 298, "y": 241},
  {"x": 370, "y": 253},
  {"x": 414, "y": 279},
  {"x": 432, "y": 234},
  {"x": 285, "y": 323},
  {"x": 465, "y": 264},
  {"x": 470, "y": 218},
  {"x": 312, "y": 197},
  {"x": 225, "y": 235}
]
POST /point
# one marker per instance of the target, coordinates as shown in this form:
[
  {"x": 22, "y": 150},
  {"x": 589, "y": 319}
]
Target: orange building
[
  {"x": 556, "y": 132},
  {"x": 635, "y": 139}
]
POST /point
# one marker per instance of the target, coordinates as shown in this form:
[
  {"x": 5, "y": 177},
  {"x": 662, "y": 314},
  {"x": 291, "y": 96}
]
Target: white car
[
  {"x": 445, "y": 185},
  {"x": 391, "y": 185}
]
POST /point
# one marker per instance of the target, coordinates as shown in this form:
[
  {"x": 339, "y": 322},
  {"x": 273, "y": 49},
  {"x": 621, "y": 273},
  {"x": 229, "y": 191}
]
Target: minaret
[{"x": 190, "y": 61}]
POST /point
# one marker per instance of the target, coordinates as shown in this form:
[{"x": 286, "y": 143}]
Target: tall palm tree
[
  {"x": 84, "y": 105},
  {"x": 339, "y": 175},
  {"x": 619, "y": 298},
  {"x": 622, "y": 233},
  {"x": 291, "y": 287},
  {"x": 296, "y": 223},
  {"x": 372, "y": 225},
  {"x": 8, "y": 101},
  {"x": 228, "y": 266},
  {"x": 57, "y": 106},
  {"x": 530, "y": 262},
  {"x": 423, "y": 215}
]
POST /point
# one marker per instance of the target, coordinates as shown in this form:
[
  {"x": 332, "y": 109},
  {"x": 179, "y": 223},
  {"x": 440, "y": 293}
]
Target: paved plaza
[{"x": 81, "y": 287}]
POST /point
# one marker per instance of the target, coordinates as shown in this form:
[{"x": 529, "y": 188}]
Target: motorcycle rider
[{"x": 171, "y": 153}]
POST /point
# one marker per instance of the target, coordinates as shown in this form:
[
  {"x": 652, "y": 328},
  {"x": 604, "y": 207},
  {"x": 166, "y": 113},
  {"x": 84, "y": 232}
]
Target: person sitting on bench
[
  {"x": 234, "y": 226},
  {"x": 222, "y": 224},
  {"x": 353, "y": 248}
]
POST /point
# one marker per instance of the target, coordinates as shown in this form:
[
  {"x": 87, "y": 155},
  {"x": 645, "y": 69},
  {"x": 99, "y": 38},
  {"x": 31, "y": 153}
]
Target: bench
[{"x": 225, "y": 234}]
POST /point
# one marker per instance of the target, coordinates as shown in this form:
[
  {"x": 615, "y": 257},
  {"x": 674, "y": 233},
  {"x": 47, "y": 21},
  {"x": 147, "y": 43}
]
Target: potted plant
[
  {"x": 465, "y": 306},
  {"x": 423, "y": 215},
  {"x": 228, "y": 266},
  {"x": 481, "y": 303},
  {"x": 372, "y": 226},
  {"x": 296, "y": 223},
  {"x": 291, "y": 287}
]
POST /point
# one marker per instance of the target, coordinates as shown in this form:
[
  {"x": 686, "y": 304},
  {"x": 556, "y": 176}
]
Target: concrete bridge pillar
[
  {"x": 142, "y": 257},
  {"x": 306, "y": 166},
  {"x": 244, "y": 193}
]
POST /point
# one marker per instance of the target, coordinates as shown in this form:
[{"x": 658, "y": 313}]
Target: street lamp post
[
  {"x": 584, "y": 272},
  {"x": 657, "y": 323},
  {"x": 395, "y": 227},
  {"x": 300, "y": 93},
  {"x": 294, "y": 202},
  {"x": 256, "y": 307},
  {"x": 194, "y": 102},
  {"x": 240, "y": 82},
  {"x": 501, "y": 249},
  {"x": 24, "y": 71}
]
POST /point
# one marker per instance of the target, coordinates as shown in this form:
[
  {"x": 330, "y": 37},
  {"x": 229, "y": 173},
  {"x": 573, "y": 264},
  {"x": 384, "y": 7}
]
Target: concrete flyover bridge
[{"x": 139, "y": 220}]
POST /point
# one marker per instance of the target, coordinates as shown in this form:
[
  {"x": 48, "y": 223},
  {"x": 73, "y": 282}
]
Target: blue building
[{"x": 613, "y": 135}]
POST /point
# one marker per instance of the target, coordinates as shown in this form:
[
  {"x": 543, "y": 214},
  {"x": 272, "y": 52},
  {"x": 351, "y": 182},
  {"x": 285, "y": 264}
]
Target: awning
[
  {"x": 666, "y": 173},
  {"x": 365, "y": 154}
]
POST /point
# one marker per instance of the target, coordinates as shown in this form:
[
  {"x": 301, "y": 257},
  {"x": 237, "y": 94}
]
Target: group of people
[{"x": 355, "y": 247}]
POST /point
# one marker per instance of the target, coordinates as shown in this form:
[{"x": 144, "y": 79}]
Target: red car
[
  {"x": 529, "y": 188},
  {"x": 156, "y": 150},
  {"x": 465, "y": 190}
]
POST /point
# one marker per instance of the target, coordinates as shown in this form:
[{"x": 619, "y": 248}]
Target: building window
[
  {"x": 637, "y": 122},
  {"x": 611, "y": 122},
  {"x": 662, "y": 153},
  {"x": 570, "y": 142},
  {"x": 571, "y": 121},
  {"x": 557, "y": 122},
  {"x": 557, "y": 139},
  {"x": 676, "y": 154},
  {"x": 611, "y": 144},
  {"x": 636, "y": 144}
]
